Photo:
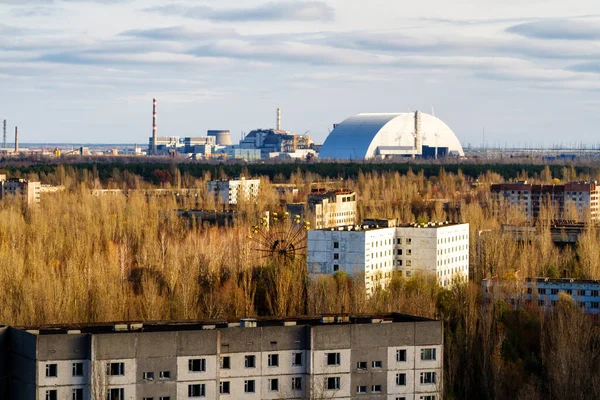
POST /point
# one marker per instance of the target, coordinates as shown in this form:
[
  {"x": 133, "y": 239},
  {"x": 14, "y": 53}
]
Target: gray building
[{"x": 391, "y": 356}]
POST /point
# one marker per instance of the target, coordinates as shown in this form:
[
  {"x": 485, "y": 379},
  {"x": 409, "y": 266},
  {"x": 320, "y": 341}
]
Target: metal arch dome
[{"x": 366, "y": 136}]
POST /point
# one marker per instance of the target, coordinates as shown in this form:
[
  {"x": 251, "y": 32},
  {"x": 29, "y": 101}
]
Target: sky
[{"x": 527, "y": 73}]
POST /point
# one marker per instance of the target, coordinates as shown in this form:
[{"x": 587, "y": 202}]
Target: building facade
[
  {"x": 546, "y": 292},
  {"x": 327, "y": 209},
  {"x": 378, "y": 251},
  {"x": 234, "y": 190},
  {"x": 28, "y": 192},
  {"x": 573, "y": 201},
  {"x": 333, "y": 357}
]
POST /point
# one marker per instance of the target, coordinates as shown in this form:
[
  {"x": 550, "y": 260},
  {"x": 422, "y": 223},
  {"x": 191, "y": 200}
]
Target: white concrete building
[
  {"x": 440, "y": 249},
  {"x": 28, "y": 192},
  {"x": 232, "y": 191},
  {"x": 327, "y": 209}
]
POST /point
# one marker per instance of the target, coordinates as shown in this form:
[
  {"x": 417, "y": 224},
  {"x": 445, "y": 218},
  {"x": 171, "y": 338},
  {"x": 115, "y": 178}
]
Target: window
[
  {"x": 77, "y": 394},
  {"x": 529, "y": 290},
  {"x": 336, "y": 245},
  {"x": 297, "y": 359},
  {"x": 274, "y": 385},
  {"x": 427, "y": 378},
  {"x": 429, "y": 397},
  {"x": 249, "y": 386},
  {"x": 224, "y": 387},
  {"x": 297, "y": 383},
  {"x": 569, "y": 291},
  {"x": 333, "y": 383},
  {"x": 377, "y": 364},
  {"x": 164, "y": 398},
  {"x": 595, "y": 304},
  {"x": 197, "y": 390},
  {"x": 336, "y": 256},
  {"x": 116, "y": 394},
  {"x": 400, "y": 379},
  {"x": 541, "y": 291},
  {"x": 51, "y": 395},
  {"x": 595, "y": 293},
  {"x": 427, "y": 354},
  {"x": 361, "y": 389},
  {"x": 333, "y": 358},
  {"x": 553, "y": 291},
  {"x": 408, "y": 264},
  {"x": 361, "y": 365},
  {"x": 250, "y": 362},
  {"x": 78, "y": 369},
  {"x": 225, "y": 362},
  {"x": 376, "y": 389},
  {"x": 148, "y": 376},
  {"x": 51, "y": 370},
  {"x": 148, "y": 398},
  {"x": 273, "y": 360},
  {"x": 115, "y": 369},
  {"x": 197, "y": 365},
  {"x": 400, "y": 398},
  {"x": 336, "y": 267},
  {"x": 409, "y": 252},
  {"x": 165, "y": 375},
  {"x": 400, "y": 355},
  {"x": 408, "y": 240},
  {"x": 580, "y": 292}
]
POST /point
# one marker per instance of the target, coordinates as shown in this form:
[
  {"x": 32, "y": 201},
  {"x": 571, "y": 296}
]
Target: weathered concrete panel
[
  {"x": 428, "y": 332},
  {"x": 278, "y": 338},
  {"x": 63, "y": 347},
  {"x": 331, "y": 337},
  {"x": 156, "y": 344},
  {"x": 113, "y": 346},
  {"x": 197, "y": 343},
  {"x": 238, "y": 340}
]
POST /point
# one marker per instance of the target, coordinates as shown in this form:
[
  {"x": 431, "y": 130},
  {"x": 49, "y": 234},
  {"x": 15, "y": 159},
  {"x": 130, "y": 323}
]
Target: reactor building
[{"x": 380, "y": 136}]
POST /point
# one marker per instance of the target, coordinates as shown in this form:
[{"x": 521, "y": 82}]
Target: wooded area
[{"x": 82, "y": 258}]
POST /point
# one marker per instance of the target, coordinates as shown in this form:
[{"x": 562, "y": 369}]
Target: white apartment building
[
  {"x": 327, "y": 209},
  {"x": 439, "y": 249},
  {"x": 232, "y": 191},
  {"x": 391, "y": 356},
  {"x": 28, "y": 192}
]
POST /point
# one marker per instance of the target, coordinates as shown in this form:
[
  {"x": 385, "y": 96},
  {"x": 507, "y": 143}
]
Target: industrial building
[
  {"x": 380, "y": 136},
  {"x": 545, "y": 292},
  {"x": 327, "y": 208},
  {"x": 574, "y": 201},
  {"x": 233, "y": 191},
  {"x": 27, "y": 192},
  {"x": 378, "y": 248},
  {"x": 390, "y": 356}
]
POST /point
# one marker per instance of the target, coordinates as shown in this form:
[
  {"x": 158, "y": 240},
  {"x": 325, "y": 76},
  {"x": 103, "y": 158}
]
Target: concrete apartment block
[{"x": 390, "y": 356}]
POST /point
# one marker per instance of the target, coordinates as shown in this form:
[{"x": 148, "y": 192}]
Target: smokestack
[
  {"x": 4, "y": 143},
  {"x": 278, "y": 118},
  {"x": 418, "y": 134},
  {"x": 154, "y": 127},
  {"x": 16, "y": 140}
]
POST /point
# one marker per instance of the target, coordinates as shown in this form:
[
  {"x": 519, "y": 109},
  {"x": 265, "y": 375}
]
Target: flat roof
[
  {"x": 190, "y": 325},
  {"x": 362, "y": 228}
]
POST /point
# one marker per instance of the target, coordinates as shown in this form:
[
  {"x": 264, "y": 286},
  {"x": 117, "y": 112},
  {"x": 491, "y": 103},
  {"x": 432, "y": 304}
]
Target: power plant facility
[{"x": 368, "y": 136}]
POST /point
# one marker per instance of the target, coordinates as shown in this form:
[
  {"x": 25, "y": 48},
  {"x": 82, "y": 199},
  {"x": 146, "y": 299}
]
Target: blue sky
[{"x": 86, "y": 71}]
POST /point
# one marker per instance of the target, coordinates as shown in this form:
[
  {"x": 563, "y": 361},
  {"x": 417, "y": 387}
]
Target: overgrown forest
[{"x": 83, "y": 258}]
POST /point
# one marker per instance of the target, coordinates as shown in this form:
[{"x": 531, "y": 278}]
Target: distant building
[
  {"x": 275, "y": 141},
  {"x": 571, "y": 201},
  {"x": 27, "y": 192},
  {"x": 545, "y": 292},
  {"x": 378, "y": 250},
  {"x": 232, "y": 191},
  {"x": 388, "y": 356},
  {"x": 327, "y": 209}
]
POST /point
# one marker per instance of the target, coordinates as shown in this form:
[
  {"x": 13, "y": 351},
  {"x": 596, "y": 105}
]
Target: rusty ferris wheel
[{"x": 280, "y": 238}]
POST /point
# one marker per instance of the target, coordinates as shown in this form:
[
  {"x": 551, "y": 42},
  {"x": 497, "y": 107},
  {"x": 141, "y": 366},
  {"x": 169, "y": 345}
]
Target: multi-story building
[
  {"x": 377, "y": 250},
  {"x": 390, "y": 356},
  {"x": 234, "y": 190},
  {"x": 571, "y": 201},
  {"x": 28, "y": 192},
  {"x": 327, "y": 209},
  {"x": 546, "y": 292}
]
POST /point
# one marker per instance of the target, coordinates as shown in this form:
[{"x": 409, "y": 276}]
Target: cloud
[
  {"x": 177, "y": 33},
  {"x": 568, "y": 29},
  {"x": 280, "y": 11}
]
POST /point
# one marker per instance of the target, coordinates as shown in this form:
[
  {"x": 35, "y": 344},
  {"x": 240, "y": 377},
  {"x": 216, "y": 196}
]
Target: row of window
[
  {"x": 76, "y": 394},
  {"x": 580, "y": 292},
  {"x": 52, "y": 370}
]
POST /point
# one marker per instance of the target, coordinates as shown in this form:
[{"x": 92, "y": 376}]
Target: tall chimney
[
  {"x": 16, "y": 140},
  {"x": 154, "y": 127},
  {"x": 418, "y": 134},
  {"x": 4, "y": 143},
  {"x": 278, "y": 118}
]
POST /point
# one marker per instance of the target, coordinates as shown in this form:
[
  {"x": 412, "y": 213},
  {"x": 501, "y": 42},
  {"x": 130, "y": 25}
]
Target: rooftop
[
  {"x": 189, "y": 325},
  {"x": 374, "y": 226}
]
